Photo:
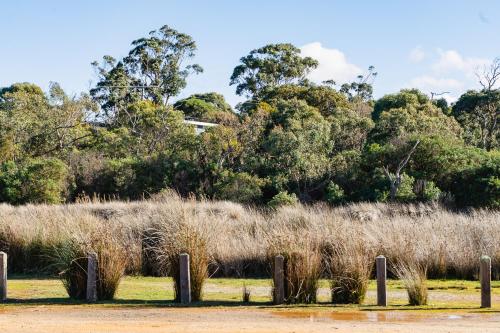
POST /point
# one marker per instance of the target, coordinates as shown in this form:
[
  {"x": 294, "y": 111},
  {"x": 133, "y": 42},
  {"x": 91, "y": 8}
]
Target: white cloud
[
  {"x": 448, "y": 87},
  {"x": 452, "y": 61},
  {"x": 417, "y": 55},
  {"x": 427, "y": 82},
  {"x": 450, "y": 72},
  {"x": 333, "y": 64}
]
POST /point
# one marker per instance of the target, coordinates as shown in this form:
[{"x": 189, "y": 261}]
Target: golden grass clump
[
  {"x": 414, "y": 278},
  {"x": 111, "y": 264},
  {"x": 349, "y": 266},
  {"x": 176, "y": 231},
  {"x": 69, "y": 257},
  {"x": 290, "y": 236}
]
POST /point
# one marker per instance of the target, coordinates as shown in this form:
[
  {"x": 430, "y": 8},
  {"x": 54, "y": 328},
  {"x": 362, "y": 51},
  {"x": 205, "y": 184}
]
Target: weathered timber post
[
  {"x": 3, "y": 276},
  {"x": 92, "y": 277},
  {"x": 485, "y": 278},
  {"x": 381, "y": 264},
  {"x": 279, "y": 280},
  {"x": 185, "y": 279}
]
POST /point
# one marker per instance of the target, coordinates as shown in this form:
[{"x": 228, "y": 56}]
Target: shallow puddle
[{"x": 385, "y": 316}]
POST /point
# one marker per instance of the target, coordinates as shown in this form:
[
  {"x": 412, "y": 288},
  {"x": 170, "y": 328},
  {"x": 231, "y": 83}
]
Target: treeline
[{"x": 290, "y": 140}]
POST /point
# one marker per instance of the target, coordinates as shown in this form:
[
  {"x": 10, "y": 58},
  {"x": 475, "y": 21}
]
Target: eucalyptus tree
[
  {"x": 270, "y": 66},
  {"x": 155, "y": 69}
]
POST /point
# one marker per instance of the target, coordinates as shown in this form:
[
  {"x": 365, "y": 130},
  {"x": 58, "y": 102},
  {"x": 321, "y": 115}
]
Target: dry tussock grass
[{"x": 228, "y": 239}]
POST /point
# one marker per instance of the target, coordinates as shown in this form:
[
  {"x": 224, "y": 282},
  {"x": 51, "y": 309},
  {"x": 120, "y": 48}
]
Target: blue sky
[{"x": 433, "y": 45}]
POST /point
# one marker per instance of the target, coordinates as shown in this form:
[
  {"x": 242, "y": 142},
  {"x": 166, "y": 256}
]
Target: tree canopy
[
  {"x": 290, "y": 140},
  {"x": 270, "y": 66}
]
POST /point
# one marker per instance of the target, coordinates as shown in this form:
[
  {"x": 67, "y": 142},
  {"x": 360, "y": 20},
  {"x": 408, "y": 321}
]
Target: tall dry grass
[
  {"x": 349, "y": 266},
  {"x": 302, "y": 266},
  {"x": 68, "y": 256},
  {"x": 177, "y": 230},
  {"x": 225, "y": 238},
  {"x": 414, "y": 277}
]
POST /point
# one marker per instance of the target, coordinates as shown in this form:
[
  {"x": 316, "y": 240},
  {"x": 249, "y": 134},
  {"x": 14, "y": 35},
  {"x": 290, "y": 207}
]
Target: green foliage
[
  {"x": 152, "y": 70},
  {"x": 405, "y": 191},
  {"x": 431, "y": 192},
  {"x": 334, "y": 194},
  {"x": 295, "y": 151},
  {"x": 480, "y": 186},
  {"x": 10, "y": 183},
  {"x": 381, "y": 188},
  {"x": 360, "y": 90},
  {"x": 442, "y": 103},
  {"x": 405, "y": 98},
  {"x": 441, "y": 160},
  {"x": 36, "y": 181},
  {"x": 210, "y": 107},
  {"x": 324, "y": 98},
  {"x": 270, "y": 66},
  {"x": 401, "y": 123},
  {"x": 479, "y": 114},
  {"x": 240, "y": 187},
  {"x": 291, "y": 136},
  {"x": 45, "y": 181},
  {"x": 283, "y": 199},
  {"x": 33, "y": 124},
  {"x": 349, "y": 131}
]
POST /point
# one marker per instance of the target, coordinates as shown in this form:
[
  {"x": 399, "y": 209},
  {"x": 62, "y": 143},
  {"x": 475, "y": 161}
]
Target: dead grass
[{"x": 227, "y": 239}]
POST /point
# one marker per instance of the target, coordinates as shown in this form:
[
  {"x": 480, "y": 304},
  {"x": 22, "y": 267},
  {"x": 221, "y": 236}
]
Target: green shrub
[
  {"x": 34, "y": 181},
  {"x": 334, "y": 194},
  {"x": 479, "y": 187},
  {"x": 239, "y": 186},
  {"x": 69, "y": 259},
  {"x": 431, "y": 192},
  {"x": 405, "y": 192},
  {"x": 283, "y": 199},
  {"x": 10, "y": 183}
]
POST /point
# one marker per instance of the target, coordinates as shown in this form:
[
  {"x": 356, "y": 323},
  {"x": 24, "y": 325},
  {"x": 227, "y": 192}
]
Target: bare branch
[
  {"x": 387, "y": 173},
  {"x": 489, "y": 75},
  {"x": 395, "y": 181},
  {"x": 403, "y": 163},
  {"x": 433, "y": 94}
]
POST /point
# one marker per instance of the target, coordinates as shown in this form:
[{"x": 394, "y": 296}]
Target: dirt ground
[{"x": 89, "y": 319}]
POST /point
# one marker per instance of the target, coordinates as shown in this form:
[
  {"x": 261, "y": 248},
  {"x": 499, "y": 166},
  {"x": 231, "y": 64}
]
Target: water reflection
[{"x": 382, "y": 316}]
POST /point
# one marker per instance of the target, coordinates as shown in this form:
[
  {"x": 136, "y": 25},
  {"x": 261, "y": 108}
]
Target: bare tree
[
  {"x": 488, "y": 76},
  {"x": 434, "y": 94},
  {"x": 396, "y": 178},
  {"x": 487, "y": 112}
]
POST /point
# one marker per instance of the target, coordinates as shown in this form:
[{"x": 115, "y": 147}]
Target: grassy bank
[{"x": 154, "y": 291}]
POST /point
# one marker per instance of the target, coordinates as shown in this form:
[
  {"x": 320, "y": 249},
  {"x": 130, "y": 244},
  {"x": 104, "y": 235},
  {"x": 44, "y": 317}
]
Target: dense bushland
[{"x": 291, "y": 140}]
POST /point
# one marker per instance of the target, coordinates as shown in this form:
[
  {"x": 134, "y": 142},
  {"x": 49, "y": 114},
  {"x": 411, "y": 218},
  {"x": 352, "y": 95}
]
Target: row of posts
[
  {"x": 278, "y": 277},
  {"x": 381, "y": 269}
]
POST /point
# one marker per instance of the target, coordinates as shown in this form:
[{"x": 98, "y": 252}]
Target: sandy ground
[
  {"x": 252, "y": 319},
  {"x": 88, "y": 319}
]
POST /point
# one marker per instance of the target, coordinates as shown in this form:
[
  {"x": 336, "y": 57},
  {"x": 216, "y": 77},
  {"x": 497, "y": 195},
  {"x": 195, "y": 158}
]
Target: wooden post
[
  {"x": 279, "y": 280},
  {"x": 381, "y": 281},
  {"x": 185, "y": 279},
  {"x": 3, "y": 276},
  {"x": 485, "y": 278},
  {"x": 92, "y": 277}
]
